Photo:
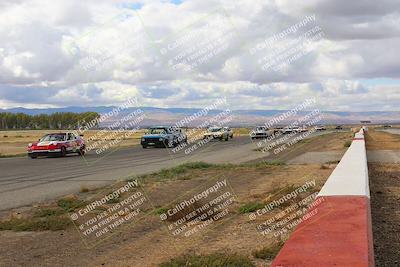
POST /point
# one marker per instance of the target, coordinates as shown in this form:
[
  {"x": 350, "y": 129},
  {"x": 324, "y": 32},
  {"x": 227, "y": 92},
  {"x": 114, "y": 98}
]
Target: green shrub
[
  {"x": 161, "y": 210},
  {"x": 49, "y": 212},
  {"x": 251, "y": 207},
  {"x": 70, "y": 204}
]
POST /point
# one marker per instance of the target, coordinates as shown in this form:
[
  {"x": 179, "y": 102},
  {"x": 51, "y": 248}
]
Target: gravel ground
[
  {"x": 385, "y": 199},
  {"x": 385, "y": 196}
]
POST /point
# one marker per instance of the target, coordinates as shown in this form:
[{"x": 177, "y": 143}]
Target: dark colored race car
[
  {"x": 59, "y": 144},
  {"x": 163, "y": 136}
]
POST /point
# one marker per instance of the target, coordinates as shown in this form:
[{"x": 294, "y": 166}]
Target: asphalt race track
[{"x": 25, "y": 181}]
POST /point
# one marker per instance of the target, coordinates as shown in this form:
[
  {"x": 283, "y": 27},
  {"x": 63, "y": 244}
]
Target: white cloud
[{"x": 101, "y": 52}]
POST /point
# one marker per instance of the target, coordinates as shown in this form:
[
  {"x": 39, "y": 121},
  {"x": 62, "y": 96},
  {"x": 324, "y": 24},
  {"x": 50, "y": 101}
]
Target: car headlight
[
  {"x": 160, "y": 139},
  {"x": 143, "y": 139},
  {"x": 30, "y": 144}
]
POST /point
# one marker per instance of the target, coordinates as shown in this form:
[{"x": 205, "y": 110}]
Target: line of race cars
[
  {"x": 264, "y": 132},
  {"x": 61, "y": 144},
  {"x": 65, "y": 143},
  {"x": 164, "y": 136}
]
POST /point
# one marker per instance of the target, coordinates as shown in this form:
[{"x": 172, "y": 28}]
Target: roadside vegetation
[
  {"x": 185, "y": 171},
  {"x": 53, "y": 218},
  {"x": 211, "y": 260},
  {"x": 347, "y": 143},
  {"x": 70, "y": 203},
  {"x": 273, "y": 195},
  {"x": 251, "y": 207},
  {"x": 41, "y": 220},
  {"x": 270, "y": 179}
]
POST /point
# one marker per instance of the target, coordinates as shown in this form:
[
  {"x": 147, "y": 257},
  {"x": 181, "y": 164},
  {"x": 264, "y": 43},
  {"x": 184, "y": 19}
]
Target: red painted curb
[{"x": 339, "y": 233}]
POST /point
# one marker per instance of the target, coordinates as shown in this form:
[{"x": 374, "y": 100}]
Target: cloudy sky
[{"x": 259, "y": 54}]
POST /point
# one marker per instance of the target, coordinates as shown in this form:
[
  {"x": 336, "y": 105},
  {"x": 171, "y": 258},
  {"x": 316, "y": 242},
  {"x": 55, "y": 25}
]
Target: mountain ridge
[{"x": 240, "y": 116}]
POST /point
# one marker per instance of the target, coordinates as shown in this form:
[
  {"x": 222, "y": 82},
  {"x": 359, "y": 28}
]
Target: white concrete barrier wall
[
  {"x": 338, "y": 230},
  {"x": 350, "y": 177}
]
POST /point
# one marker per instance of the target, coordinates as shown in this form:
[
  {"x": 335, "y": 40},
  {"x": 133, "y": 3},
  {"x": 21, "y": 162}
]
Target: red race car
[{"x": 59, "y": 144}]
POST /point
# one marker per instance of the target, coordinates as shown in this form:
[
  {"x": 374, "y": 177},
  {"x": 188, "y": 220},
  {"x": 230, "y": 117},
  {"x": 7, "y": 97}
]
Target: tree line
[{"x": 58, "y": 120}]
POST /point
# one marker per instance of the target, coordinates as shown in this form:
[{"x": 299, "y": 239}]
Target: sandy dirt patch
[{"x": 318, "y": 157}]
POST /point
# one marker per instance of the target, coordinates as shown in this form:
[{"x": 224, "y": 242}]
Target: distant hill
[{"x": 156, "y": 115}]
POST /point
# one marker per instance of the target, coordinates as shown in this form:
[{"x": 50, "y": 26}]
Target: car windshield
[
  {"x": 53, "y": 137},
  {"x": 260, "y": 128},
  {"x": 157, "y": 131},
  {"x": 214, "y": 130}
]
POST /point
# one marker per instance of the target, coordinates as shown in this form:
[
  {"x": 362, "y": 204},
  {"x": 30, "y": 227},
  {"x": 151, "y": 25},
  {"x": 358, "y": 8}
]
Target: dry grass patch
[
  {"x": 269, "y": 252},
  {"x": 40, "y": 219},
  {"x": 377, "y": 140},
  {"x": 333, "y": 141},
  {"x": 211, "y": 260}
]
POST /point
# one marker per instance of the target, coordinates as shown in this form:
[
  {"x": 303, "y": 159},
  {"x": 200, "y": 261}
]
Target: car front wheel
[
  {"x": 63, "y": 152},
  {"x": 81, "y": 151}
]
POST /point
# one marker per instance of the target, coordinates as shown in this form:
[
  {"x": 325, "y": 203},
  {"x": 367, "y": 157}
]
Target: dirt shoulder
[
  {"x": 334, "y": 141},
  {"x": 385, "y": 199},
  {"x": 148, "y": 242}
]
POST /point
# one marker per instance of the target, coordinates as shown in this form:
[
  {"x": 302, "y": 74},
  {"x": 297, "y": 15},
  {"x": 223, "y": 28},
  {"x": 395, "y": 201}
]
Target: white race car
[
  {"x": 230, "y": 132},
  {"x": 217, "y": 133},
  {"x": 261, "y": 132}
]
